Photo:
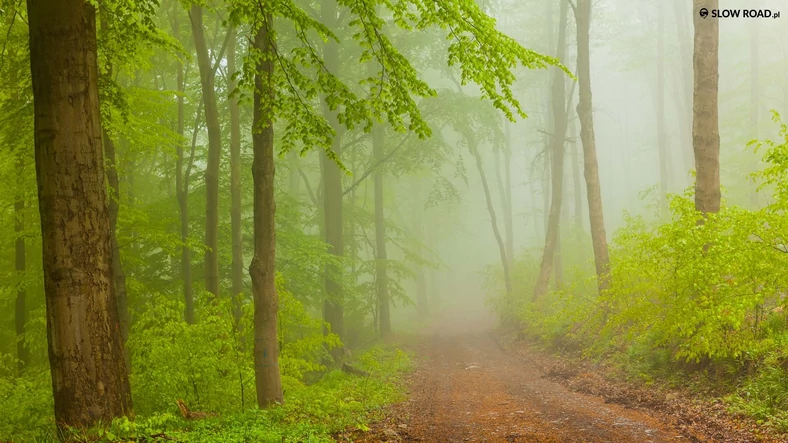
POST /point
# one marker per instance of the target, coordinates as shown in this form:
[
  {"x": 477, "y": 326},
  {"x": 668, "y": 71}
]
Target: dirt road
[{"x": 467, "y": 388}]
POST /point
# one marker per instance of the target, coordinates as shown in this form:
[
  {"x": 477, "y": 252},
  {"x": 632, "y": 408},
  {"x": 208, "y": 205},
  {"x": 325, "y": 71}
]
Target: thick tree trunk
[
  {"x": 182, "y": 195},
  {"x": 119, "y": 278},
  {"x": 20, "y": 312},
  {"x": 333, "y": 307},
  {"x": 262, "y": 269},
  {"x": 591, "y": 167},
  {"x": 235, "y": 184},
  {"x": 705, "y": 119},
  {"x": 381, "y": 275},
  {"x": 89, "y": 374},
  {"x": 214, "y": 153},
  {"x": 471, "y": 138},
  {"x": 557, "y": 163}
]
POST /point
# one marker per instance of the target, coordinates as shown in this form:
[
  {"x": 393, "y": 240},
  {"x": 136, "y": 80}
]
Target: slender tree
[
  {"x": 182, "y": 189},
  {"x": 557, "y": 162},
  {"x": 705, "y": 116},
  {"x": 207, "y": 74},
  {"x": 474, "y": 148},
  {"x": 333, "y": 307},
  {"x": 590, "y": 165},
  {"x": 89, "y": 374}
]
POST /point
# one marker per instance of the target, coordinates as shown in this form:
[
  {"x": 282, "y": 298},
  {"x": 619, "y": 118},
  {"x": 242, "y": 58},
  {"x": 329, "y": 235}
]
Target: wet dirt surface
[{"x": 469, "y": 388}]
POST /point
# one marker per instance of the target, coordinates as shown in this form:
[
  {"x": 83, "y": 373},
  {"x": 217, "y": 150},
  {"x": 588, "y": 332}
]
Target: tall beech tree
[
  {"x": 262, "y": 269},
  {"x": 705, "y": 113},
  {"x": 89, "y": 374},
  {"x": 590, "y": 165}
]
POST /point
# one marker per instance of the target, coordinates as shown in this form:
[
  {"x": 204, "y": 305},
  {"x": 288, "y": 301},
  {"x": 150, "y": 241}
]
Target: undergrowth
[
  {"x": 702, "y": 305},
  {"x": 209, "y": 365}
]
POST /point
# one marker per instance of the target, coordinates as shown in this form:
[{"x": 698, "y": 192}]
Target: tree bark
[
  {"x": 705, "y": 117},
  {"x": 591, "y": 167},
  {"x": 119, "y": 278},
  {"x": 182, "y": 195},
  {"x": 20, "y": 311},
  {"x": 214, "y": 153},
  {"x": 333, "y": 307},
  {"x": 381, "y": 274},
  {"x": 235, "y": 184},
  {"x": 558, "y": 94},
  {"x": 89, "y": 374},
  {"x": 471, "y": 138},
  {"x": 262, "y": 269}
]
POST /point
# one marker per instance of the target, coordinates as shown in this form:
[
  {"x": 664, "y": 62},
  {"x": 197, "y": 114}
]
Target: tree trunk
[
  {"x": 591, "y": 167},
  {"x": 557, "y": 162},
  {"x": 705, "y": 123},
  {"x": 214, "y": 153},
  {"x": 262, "y": 269},
  {"x": 89, "y": 374},
  {"x": 662, "y": 145},
  {"x": 20, "y": 313},
  {"x": 182, "y": 195},
  {"x": 235, "y": 184},
  {"x": 119, "y": 278},
  {"x": 471, "y": 138},
  {"x": 333, "y": 307},
  {"x": 381, "y": 277}
]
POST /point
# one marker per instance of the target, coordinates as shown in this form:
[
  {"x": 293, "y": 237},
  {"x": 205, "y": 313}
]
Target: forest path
[{"x": 468, "y": 388}]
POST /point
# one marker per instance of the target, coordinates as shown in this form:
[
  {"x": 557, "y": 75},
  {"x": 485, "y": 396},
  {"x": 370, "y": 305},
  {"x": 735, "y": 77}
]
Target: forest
[{"x": 393, "y": 220}]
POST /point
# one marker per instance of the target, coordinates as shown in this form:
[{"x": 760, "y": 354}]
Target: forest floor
[{"x": 476, "y": 385}]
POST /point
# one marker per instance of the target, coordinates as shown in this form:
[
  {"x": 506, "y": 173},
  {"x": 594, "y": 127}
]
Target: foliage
[
  {"x": 688, "y": 293},
  {"x": 310, "y": 413}
]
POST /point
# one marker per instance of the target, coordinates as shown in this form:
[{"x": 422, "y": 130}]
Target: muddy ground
[{"x": 473, "y": 385}]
